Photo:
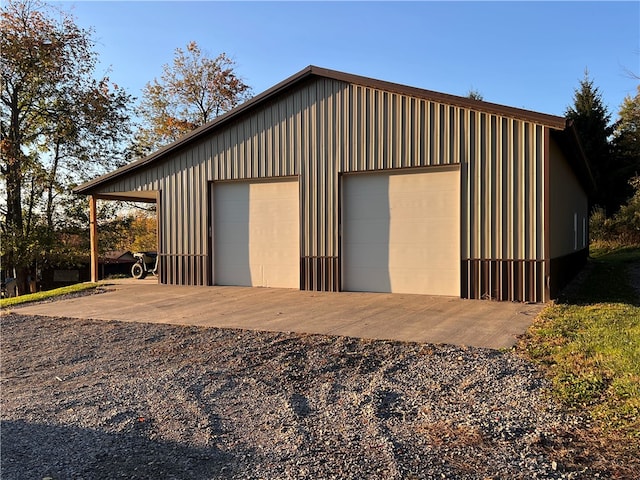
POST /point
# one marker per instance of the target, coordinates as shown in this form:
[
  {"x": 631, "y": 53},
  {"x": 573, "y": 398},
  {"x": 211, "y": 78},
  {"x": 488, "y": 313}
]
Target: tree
[
  {"x": 191, "y": 92},
  {"x": 626, "y": 148},
  {"x": 59, "y": 124},
  {"x": 474, "y": 94},
  {"x": 591, "y": 119}
]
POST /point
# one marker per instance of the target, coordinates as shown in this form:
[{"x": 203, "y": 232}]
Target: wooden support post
[{"x": 93, "y": 236}]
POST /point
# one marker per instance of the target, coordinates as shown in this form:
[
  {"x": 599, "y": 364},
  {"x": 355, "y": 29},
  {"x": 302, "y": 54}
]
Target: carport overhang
[{"x": 143, "y": 196}]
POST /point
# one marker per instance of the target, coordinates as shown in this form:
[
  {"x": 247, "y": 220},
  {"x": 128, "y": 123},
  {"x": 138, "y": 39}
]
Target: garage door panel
[
  {"x": 256, "y": 234},
  {"x": 371, "y": 230},
  {"x": 369, "y": 255},
  {"x": 370, "y": 279},
  {"x": 401, "y": 233}
]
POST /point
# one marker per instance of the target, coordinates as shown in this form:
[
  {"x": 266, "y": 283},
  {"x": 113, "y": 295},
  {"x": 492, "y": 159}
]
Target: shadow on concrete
[{"x": 36, "y": 451}]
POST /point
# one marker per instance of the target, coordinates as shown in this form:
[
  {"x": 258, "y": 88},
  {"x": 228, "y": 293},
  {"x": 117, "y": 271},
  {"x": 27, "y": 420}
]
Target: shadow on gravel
[{"x": 59, "y": 452}]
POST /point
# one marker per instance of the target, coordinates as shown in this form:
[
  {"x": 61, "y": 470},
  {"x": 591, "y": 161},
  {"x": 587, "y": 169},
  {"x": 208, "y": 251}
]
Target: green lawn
[
  {"x": 36, "y": 297},
  {"x": 589, "y": 342}
]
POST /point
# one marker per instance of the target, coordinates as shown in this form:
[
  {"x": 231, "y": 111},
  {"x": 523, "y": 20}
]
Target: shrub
[{"x": 623, "y": 228}]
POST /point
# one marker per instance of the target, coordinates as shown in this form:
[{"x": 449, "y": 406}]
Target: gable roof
[{"x": 552, "y": 121}]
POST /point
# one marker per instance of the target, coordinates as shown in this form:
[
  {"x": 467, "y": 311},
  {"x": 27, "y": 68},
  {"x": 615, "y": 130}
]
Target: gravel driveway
[{"x": 85, "y": 399}]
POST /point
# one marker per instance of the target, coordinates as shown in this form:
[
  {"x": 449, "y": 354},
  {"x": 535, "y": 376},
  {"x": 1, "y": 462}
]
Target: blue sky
[{"x": 522, "y": 54}]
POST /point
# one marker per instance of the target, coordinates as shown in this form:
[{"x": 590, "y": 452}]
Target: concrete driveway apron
[{"x": 412, "y": 318}]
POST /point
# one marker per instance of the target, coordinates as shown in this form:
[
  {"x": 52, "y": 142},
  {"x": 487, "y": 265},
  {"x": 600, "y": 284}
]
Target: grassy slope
[
  {"x": 36, "y": 297},
  {"x": 589, "y": 343}
]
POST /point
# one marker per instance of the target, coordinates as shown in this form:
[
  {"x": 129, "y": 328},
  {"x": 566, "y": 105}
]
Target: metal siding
[
  {"x": 325, "y": 127},
  {"x": 503, "y": 251}
]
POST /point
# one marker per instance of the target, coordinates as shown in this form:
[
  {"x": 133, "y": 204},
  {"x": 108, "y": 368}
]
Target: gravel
[{"x": 85, "y": 399}]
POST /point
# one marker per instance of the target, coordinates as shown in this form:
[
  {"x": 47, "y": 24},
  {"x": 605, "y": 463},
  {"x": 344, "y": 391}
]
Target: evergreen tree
[{"x": 591, "y": 119}]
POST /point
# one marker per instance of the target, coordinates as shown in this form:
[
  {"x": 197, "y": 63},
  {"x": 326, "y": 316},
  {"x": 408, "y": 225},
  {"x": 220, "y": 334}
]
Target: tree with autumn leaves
[
  {"x": 192, "y": 91},
  {"x": 60, "y": 125}
]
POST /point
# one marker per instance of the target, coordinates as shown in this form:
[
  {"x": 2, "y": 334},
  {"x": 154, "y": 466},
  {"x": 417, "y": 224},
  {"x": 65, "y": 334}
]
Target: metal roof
[{"x": 552, "y": 121}]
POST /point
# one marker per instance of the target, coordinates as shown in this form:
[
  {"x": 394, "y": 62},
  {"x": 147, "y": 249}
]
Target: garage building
[{"x": 335, "y": 182}]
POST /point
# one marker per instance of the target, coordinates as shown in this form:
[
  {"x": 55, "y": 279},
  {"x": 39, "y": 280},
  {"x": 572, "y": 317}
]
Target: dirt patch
[{"x": 96, "y": 399}]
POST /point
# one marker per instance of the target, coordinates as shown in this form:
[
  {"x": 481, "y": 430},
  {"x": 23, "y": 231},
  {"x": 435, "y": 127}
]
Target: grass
[
  {"x": 588, "y": 341},
  {"x": 38, "y": 296}
]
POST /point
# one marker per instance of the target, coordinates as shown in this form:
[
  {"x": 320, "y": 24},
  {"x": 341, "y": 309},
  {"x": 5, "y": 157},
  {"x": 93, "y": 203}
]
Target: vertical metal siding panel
[
  {"x": 408, "y": 133},
  {"x": 521, "y": 192},
  {"x": 320, "y": 138},
  {"x": 396, "y": 131},
  {"x": 412, "y": 135},
  {"x": 423, "y": 133},
  {"x": 540, "y": 149},
  {"x": 479, "y": 201},
  {"x": 220, "y": 157},
  {"x": 372, "y": 143},
  {"x": 237, "y": 147},
  {"x": 483, "y": 203},
  {"x": 314, "y": 147},
  {"x": 511, "y": 202},
  {"x": 442, "y": 142},
  {"x": 499, "y": 183},
  {"x": 228, "y": 152},
  {"x": 261, "y": 138},
  {"x": 217, "y": 163},
  {"x": 388, "y": 132},
  {"x": 402, "y": 131},
  {"x": 184, "y": 206},
  {"x": 383, "y": 143},
  {"x": 494, "y": 199},
  {"x": 227, "y": 173},
  {"x": 234, "y": 151},
  {"x": 274, "y": 138},
  {"x": 533, "y": 189},
  {"x": 200, "y": 201},
  {"x": 471, "y": 186},
  {"x": 354, "y": 126},
  {"x": 257, "y": 126},
  {"x": 373, "y": 156},
  {"x": 526, "y": 197},
  {"x": 515, "y": 190},
  {"x": 431, "y": 140},
  {"x": 464, "y": 187},
  {"x": 383, "y": 134},
  {"x": 454, "y": 153},
  {"x": 325, "y": 158},
  {"x": 252, "y": 148},
  {"x": 265, "y": 146},
  {"x": 304, "y": 172},
  {"x": 285, "y": 147},
  {"x": 504, "y": 219},
  {"x": 274, "y": 161},
  {"x": 175, "y": 218},
  {"x": 282, "y": 151},
  {"x": 362, "y": 132},
  {"x": 244, "y": 138}
]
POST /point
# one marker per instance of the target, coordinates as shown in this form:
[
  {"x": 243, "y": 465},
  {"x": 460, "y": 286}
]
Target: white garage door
[
  {"x": 402, "y": 232},
  {"x": 256, "y": 234}
]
